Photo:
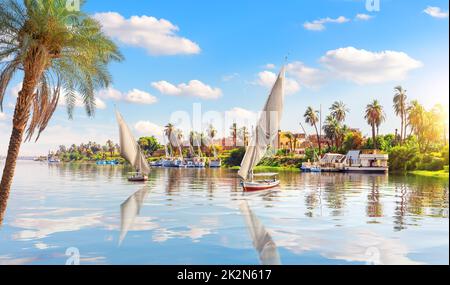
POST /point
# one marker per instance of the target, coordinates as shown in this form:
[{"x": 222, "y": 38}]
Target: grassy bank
[
  {"x": 262, "y": 168},
  {"x": 426, "y": 173}
]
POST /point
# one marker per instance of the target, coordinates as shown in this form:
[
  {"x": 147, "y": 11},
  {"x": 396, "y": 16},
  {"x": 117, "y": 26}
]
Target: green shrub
[
  {"x": 403, "y": 158},
  {"x": 235, "y": 157},
  {"x": 431, "y": 163}
]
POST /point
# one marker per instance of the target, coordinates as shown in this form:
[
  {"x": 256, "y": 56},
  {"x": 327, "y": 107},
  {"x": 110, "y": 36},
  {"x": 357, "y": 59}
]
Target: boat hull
[
  {"x": 366, "y": 169},
  {"x": 259, "y": 185},
  {"x": 141, "y": 178}
]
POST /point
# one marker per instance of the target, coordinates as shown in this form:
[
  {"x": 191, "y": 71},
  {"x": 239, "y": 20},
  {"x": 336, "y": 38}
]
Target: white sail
[
  {"x": 262, "y": 241},
  {"x": 130, "y": 149},
  {"x": 266, "y": 130}
]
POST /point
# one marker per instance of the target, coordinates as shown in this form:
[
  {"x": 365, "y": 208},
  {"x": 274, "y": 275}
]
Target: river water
[{"x": 88, "y": 214}]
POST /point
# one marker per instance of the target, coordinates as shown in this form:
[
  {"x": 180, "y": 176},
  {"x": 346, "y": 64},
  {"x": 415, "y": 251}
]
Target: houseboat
[{"x": 366, "y": 161}]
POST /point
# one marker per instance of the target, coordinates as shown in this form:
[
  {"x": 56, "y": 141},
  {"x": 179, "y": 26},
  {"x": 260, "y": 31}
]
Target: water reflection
[
  {"x": 262, "y": 241},
  {"x": 195, "y": 216}
]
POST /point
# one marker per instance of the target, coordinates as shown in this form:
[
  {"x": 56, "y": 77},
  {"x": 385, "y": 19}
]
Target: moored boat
[{"x": 366, "y": 161}]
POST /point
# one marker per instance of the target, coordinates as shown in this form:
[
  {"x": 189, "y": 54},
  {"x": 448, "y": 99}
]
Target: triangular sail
[
  {"x": 129, "y": 148},
  {"x": 266, "y": 130}
]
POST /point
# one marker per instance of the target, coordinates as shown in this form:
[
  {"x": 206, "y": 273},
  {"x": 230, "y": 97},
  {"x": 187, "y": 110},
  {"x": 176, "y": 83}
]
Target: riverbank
[
  {"x": 270, "y": 168},
  {"x": 436, "y": 174}
]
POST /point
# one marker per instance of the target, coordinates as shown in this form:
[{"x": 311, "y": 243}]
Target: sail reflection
[
  {"x": 262, "y": 241},
  {"x": 130, "y": 209}
]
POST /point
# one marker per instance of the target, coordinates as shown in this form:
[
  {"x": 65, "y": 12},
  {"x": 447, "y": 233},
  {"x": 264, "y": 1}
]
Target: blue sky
[{"x": 224, "y": 54}]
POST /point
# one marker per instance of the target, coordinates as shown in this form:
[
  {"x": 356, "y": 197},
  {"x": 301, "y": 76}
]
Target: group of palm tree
[{"x": 334, "y": 127}]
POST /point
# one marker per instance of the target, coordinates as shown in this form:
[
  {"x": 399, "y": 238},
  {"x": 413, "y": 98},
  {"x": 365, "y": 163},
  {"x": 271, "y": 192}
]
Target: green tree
[
  {"x": 374, "y": 116},
  {"x": 400, "y": 107},
  {"x": 312, "y": 118},
  {"x": 339, "y": 111},
  {"x": 149, "y": 144},
  {"x": 60, "y": 53}
]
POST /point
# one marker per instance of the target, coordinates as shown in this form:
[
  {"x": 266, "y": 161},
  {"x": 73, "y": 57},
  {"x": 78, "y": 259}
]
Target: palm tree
[
  {"x": 61, "y": 53},
  {"x": 312, "y": 118},
  {"x": 290, "y": 137},
  {"x": 339, "y": 111},
  {"x": 375, "y": 116},
  {"x": 169, "y": 133},
  {"x": 400, "y": 106},
  {"x": 180, "y": 136},
  {"x": 110, "y": 145},
  {"x": 212, "y": 132},
  {"x": 234, "y": 131},
  {"x": 243, "y": 132},
  {"x": 332, "y": 129},
  {"x": 415, "y": 116}
]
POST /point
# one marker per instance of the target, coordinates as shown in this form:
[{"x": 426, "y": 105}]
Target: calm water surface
[{"x": 192, "y": 216}]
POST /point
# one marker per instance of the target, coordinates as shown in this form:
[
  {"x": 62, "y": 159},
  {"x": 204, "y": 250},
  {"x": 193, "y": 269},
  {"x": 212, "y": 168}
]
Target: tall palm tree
[
  {"x": 415, "y": 116},
  {"x": 339, "y": 111},
  {"x": 290, "y": 137},
  {"x": 243, "y": 132},
  {"x": 234, "y": 131},
  {"x": 169, "y": 131},
  {"x": 212, "y": 132},
  {"x": 110, "y": 145},
  {"x": 61, "y": 53},
  {"x": 374, "y": 116},
  {"x": 312, "y": 118},
  {"x": 400, "y": 107}
]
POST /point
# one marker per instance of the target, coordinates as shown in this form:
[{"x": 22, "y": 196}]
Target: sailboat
[
  {"x": 130, "y": 150},
  {"x": 265, "y": 134}
]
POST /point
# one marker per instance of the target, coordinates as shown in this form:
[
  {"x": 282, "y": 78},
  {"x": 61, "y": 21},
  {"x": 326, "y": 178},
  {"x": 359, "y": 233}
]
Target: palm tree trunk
[
  {"x": 21, "y": 115},
  {"x": 402, "y": 129},
  {"x": 374, "y": 137}
]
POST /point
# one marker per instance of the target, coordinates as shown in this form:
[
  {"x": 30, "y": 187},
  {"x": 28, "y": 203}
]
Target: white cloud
[
  {"x": 157, "y": 36},
  {"x": 319, "y": 25},
  {"x": 194, "y": 88},
  {"x": 365, "y": 67},
  {"x": 436, "y": 12},
  {"x": 3, "y": 116},
  {"x": 306, "y": 76},
  {"x": 270, "y": 66},
  {"x": 140, "y": 97},
  {"x": 267, "y": 79},
  {"x": 363, "y": 17},
  {"x": 110, "y": 93},
  {"x": 146, "y": 128}
]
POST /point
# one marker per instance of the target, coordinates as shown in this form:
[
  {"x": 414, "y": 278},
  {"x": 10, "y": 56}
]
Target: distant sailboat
[
  {"x": 130, "y": 150},
  {"x": 265, "y": 134},
  {"x": 262, "y": 241}
]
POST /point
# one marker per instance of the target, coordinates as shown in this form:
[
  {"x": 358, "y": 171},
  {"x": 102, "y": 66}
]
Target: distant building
[{"x": 298, "y": 141}]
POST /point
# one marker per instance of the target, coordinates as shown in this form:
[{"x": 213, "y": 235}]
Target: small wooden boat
[
  {"x": 262, "y": 184},
  {"x": 137, "y": 177}
]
